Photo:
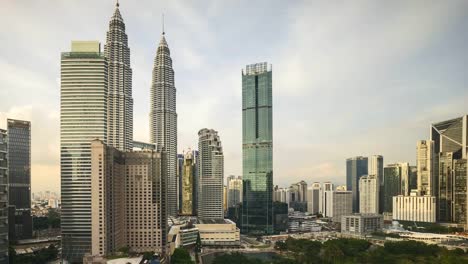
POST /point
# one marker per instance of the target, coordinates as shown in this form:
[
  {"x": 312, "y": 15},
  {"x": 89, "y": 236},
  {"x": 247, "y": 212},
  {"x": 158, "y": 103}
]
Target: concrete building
[
  {"x": 460, "y": 211},
  {"x": 356, "y": 167},
  {"x": 369, "y": 194},
  {"x": 188, "y": 185},
  {"x": 396, "y": 182},
  {"x": 211, "y": 175},
  {"x": 376, "y": 167},
  {"x": 83, "y": 100},
  {"x": 128, "y": 200},
  {"x": 338, "y": 204},
  {"x": 163, "y": 117},
  {"x": 313, "y": 198},
  {"x": 361, "y": 224},
  {"x": 119, "y": 79},
  {"x": 326, "y": 186},
  {"x": 414, "y": 208},
  {"x": 4, "y": 196},
  {"x": 234, "y": 190},
  {"x": 425, "y": 156},
  {"x": 281, "y": 195},
  {"x": 219, "y": 233},
  {"x": 19, "y": 178},
  {"x": 257, "y": 149}
]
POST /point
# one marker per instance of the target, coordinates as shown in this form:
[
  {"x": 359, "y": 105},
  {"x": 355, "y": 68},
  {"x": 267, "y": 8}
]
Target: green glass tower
[{"x": 257, "y": 148}]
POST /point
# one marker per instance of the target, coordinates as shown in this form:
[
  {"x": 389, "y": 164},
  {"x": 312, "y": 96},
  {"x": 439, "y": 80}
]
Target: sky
[{"x": 349, "y": 77}]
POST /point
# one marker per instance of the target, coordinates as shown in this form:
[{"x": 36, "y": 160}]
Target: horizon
[{"x": 363, "y": 79}]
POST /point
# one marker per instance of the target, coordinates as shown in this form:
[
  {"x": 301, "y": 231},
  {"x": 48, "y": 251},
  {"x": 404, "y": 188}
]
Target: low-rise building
[
  {"x": 414, "y": 208},
  {"x": 218, "y": 233},
  {"x": 361, "y": 224}
]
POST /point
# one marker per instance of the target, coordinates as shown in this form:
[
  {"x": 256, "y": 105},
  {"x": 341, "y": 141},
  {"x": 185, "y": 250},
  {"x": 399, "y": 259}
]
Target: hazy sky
[{"x": 349, "y": 77}]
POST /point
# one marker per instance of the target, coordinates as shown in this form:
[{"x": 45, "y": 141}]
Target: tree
[
  {"x": 181, "y": 256},
  {"x": 281, "y": 246}
]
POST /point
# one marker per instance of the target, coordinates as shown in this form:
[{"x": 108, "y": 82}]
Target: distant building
[
  {"x": 425, "y": 156},
  {"x": 460, "y": 211},
  {"x": 298, "y": 196},
  {"x": 361, "y": 224},
  {"x": 395, "y": 183},
  {"x": 188, "y": 187},
  {"x": 414, "y": 208},
  {"x": 234, "y": 190},
  {"x": 210, "y": 175},
  {"x": 341, "y": 188},
  {"x": 313, "y": 198},
  {"x": 4, "y": 196},
  {"x": 369, "y": 194},
  {"x": 326, "y": 186},
  {"x": 356, "y": 167},
  {"x": 225, "y": 195},
  {"x": 280, "y": 217},
  {"x": 375, "y": 167},
  {"x": 219, "y": 233},
  {"x": 338, "y": 204}
]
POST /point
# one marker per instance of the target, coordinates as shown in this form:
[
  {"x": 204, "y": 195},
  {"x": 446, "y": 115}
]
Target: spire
[
  {"x": 117, "y": 4},
  {"x": 163, "y": 25},
  {"x": 117, "y": 14}
]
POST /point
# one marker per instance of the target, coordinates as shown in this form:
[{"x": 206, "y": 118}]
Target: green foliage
[
  {"x": 181, "y": 256},
  {"x": 411, "y": 248},
  {"x": 52, "y": 219},
  {"x": 281, "y": 246},
  {"x": 148, "y": 255}
]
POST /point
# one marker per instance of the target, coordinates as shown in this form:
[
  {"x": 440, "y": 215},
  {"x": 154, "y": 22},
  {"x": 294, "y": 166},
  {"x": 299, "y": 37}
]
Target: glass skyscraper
[
  {"x": 257, "y": 148},
  {"x": 3, "y": 196},
  {"x": 355, "y": 168}
]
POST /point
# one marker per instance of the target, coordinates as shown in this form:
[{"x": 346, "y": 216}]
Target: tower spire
[
  {"x": 117, "y": 3},
  {"x": 163, "y": 24}
]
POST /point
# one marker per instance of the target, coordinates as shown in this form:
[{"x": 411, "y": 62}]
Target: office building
[
  {"x": 313, "y": 198},
  {"x": 460, "y": 212},
  {"x": 338, "y": 204},
  {"x": 375, "y": 167},
  {"x": 445, "y": 181},
  {"x": 188, "y": 184},
  {"x": 257, "y": 149},
  {"x": 119, "y": 85},
  {"x": 361, "y": 224},
  {"x": 425, "y": 156},
  {"x": 396, "y": 182},
  {"x": 234, "y": 190},
  {"x": 414, "y": 208},
  {"x": 4, "y": 196},
  {"x": 128, "y": 200},
  {"x": 451, "y": 136},
  {"x": 369, "y": 194},
  {"x": 356, "y": 167},
  {"x": 326, "y": 186},
  {"x": 163, "y": 117},
  {"x": 19, "y": 178},
  {"x": 219, "y": 233},
  {"x": 210, "y": 175},
  {"x": 83, "y": 115},
  {"x": 413, "y": 178}
]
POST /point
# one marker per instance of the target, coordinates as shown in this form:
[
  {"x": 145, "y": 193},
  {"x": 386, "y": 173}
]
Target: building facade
[
  {"x": 376, "y": 167},
  {"x": 338, "y": 203},
  {"x": 234, "y": 190},
  {"x": 4, "y": 243},
  {"x": 425, "y": 156},
  {"x": 361, "y": 224},
  {"x": 128, "y": 200},
  {"x": 356, "y": 167},
  {"x": 19, "y": 178},
  {"x": 83, "y": 118},
  {"x": 119, "y": 78},
  {"x": 257, "y": 149},
  {"x": 414, "y": 208},
  {"x": 210, "y": 174},
  {"x": 396, "y": 182},
  {"x": 188, "y": 184},
  {"x": 313, "y": 198},
  {"x": 163, "y": 117},
  {"x": 369, "y": 194}
]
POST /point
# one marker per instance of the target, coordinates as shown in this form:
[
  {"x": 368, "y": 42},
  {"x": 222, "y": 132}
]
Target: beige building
[
  {"x": 188, "y": 184},
  {"x": 361, "y": 224},
  {"x": 369, "y": 195},
  {"x": 414, "y": 208},
  {"x": 128, "y": 200},
  {"x": 219, "y": 233},
  {"x": 337, "y": 204},
  {"x": 425, "y": 166}
]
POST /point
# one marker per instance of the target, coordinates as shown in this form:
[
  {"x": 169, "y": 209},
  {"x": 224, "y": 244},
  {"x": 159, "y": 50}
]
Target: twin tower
[{"x": 97, "y": 103}]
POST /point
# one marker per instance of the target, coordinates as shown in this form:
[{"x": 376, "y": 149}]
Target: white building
[
  {"x": 414, "y": 208},
  {"x": 313, "y": 198},
  {"x": 219, "y": 233},
  {"x": 326, "y": 186},
  {"x": 375, "y": 167},
  {"x": 369, "y": 195},
  {"x": 210, "y": 175},
  {"x": 361, "y": 224},
  {"x": 425, "y": 166},
  {"x": 337, "y": 204},
  {"x": 234, "y": 190}
]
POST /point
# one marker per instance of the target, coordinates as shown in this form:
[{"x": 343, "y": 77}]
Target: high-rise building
[
  {"x": 163, "y": 117},
  {"x": 225, "y": 199},
  {"x": 460, "y": 211},
  {"x": 257, "y": 149},
  {"x": 338, "y": 204},
  {"x": 413, "y": 178},
  {"x": 128, "y": 200},
  {"x": 425, "y": 156},
  {"x": 395, "y": 183},
  {"x": 210, "y": 175},
  {"x": 326, "y": 186},
  {"x": 188, "y": 184},
  {"x": 375, "y": 167},
  {"x": 445, "y": 181},
  {"x": 356, "y": 167},
  {"x": 369, "y": 194},
  {"x": 451, "y": 136},
  {"x": 234, "y": 188},
  {"x": 179, "y": 176},
  {"x": 83, "y": 116},
  {"x": 414, "y": 208},
  {"x": 19, "y": 178},
  {"x": 119, "y": 78},
  {"x": 313, "y": 198},
  {"x": 4, "y": 196}
]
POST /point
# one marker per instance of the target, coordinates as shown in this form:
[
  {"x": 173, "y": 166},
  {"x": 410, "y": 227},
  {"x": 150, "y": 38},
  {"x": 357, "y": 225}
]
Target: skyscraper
[
  {"x": 210, "y": 175},
  {"x": 19, "y": 178},
  {"x": 451, "y": 136},
  {"x": 83, "y": 115},
  {"x": 234, "y": 187},
  {"x": 356, "y": 167},
  {"x": 313, "y": 198},
  {"x": 396, "y": 177},
  {"x": 119, "y": 99},
  {"x": 375, "y": 167},
  {"x": 3, "y": 196},
  {"x": 257, "y": 149},
  {"x": 369, "y": 194},
  {"x": 425, "y": 164},
  {"x": 188, "y": 184},
  {"x": 163, "y": 117}
]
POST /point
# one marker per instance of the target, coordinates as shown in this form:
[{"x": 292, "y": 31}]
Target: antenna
[
  {"x": 117, "y": 4},
  {"x": 163, "y": 24}
]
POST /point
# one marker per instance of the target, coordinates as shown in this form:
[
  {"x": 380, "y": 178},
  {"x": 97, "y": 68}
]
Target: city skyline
[{"x": 393, "y": 93}]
